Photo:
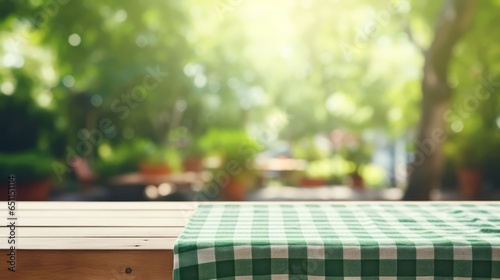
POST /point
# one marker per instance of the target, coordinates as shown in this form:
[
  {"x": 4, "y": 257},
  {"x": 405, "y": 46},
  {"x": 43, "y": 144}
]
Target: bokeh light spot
[
  {"x": 181, "y": 105},
  {"x": 165, "y": 189},
  {"x": 151, "y": 192},
  {"x": 457, "y": 126},
  {"x": 121, "y": 16},
  {"x": 74, "y": 39},
  {"x": 44, "y": 99},
  {"x": 68, "y": 81},
  {"x": 141, "y": 41},
  {"x": 7, "y": 88},
  {"x": 96, "y": 100}
]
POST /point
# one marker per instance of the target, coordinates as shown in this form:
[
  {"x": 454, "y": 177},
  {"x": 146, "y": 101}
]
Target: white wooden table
[{"x": 93, "y": 240}]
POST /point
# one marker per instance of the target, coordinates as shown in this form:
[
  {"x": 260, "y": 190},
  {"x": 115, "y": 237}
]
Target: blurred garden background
[{"x": 250, "y": 100}]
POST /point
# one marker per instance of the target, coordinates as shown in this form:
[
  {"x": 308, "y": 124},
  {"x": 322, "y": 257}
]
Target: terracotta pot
[
  {"x": 470, "y": 182},
  {"x": 29, "y": 191},
  {"x": 149, "y": 168},
  {"x": 193, "y": 164},
  {"x": 310, "y": 182},
  {"x": 235, "y": 190},
  {"x": 357, "y": 182}
]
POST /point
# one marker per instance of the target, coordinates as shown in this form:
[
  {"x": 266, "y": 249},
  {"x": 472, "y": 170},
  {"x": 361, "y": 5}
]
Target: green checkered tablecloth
[{"x": 340, "y": 241}]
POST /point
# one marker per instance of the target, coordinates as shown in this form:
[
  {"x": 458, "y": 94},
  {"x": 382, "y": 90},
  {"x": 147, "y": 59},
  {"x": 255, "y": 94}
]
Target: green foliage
[
  {"x": 223, "y": 74},
  {"x": 170, "y": 156},
  {"x": 186, "y": 142},
  {"x": 472, "y": 149},
  {"x": 308, "y": 149},
  {"x": 120, "y": 159},
  {"x": 127, "y": 156},
  {"x": 229, "y": 80},
  {"x": 358, "y": 154},
  {"x": 330, "y": 168},
  {"x": 194, "y": 150},
  {"x": 156, "y": 154},
  {"x": 230, "y": 144},
  {"x": 24, "y": 125},
  {"x": 26, "y": 166},
  {"x": 373, "y": 175}
]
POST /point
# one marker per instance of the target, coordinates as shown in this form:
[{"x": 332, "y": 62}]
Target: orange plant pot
[
  {"x": 470, "y": 182},
  {"x": 357, "y": 182},
  {"x": 235, "y": 190},
  {"x": 309, "y": 182},
  {"x": 29, "y": 191},
  {"x": 148, "y": 168},
  {"x": 192, "y": 165}
]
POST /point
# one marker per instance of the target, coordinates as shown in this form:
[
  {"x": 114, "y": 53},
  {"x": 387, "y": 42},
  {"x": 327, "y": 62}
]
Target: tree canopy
[{"x": 158, "y": 68}]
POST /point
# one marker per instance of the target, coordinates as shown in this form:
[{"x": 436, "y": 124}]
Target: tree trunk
[{"x": 425, "y": 170}]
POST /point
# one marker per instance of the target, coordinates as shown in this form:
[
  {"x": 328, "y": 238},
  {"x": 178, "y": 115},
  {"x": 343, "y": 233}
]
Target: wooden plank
[
  {"x": 144, "y": 243},
  {"x": 110, "y": 232},
  {"x": 342, "y": 202},
  {"x": 68, "y": 264},
  {"x": 186, "y": 205},
  {"x": 100, "y": 222},
  {"x": 104, "y": 214},
  {"x": 100, "y": 206}
]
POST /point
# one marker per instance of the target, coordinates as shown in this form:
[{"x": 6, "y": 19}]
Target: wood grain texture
[
  {"x": 101, "y": 221},
  {"x": 143, "y": 243},
  {"x": 89, "y": 264},
  {"x": 174, "y": 206},
  {"x": 106, "y": 213},
  {"x": 99, "y": 206},
  {"x": 86, "y": 232}
]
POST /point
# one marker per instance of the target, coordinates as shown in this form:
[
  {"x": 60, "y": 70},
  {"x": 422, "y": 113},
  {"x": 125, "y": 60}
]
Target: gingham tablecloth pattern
[{"x": 335, "y": 241}]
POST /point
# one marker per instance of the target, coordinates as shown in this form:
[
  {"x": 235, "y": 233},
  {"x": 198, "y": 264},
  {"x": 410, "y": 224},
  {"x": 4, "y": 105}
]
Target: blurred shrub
[
  {"x": 470, "y": 149},
  {"x": 229, "y": 144},
  {"x": 373, "y": 175},
  {"x": 335, "y": 167},
  {"x": 308, "y": 149},
  {"x": 126, "y": 156},
  {"x": 26, "y": 166},
  {"x": 118, "y": 160}
]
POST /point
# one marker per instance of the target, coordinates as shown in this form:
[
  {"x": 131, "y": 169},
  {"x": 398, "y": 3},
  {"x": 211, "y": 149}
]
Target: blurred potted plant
[
  {"x": 308, "y": 150},
  {"x": 236, "y": 151},
  {"x": 190, "y": 151},
  {"x": 359, "y": 155},
  {"x": 193, "y": 158},
  {"x": 122, "y": 158},
  {"x": 33, "y": 175},
  {"x": 469, "y": 152},
  {"x": 158, "y": 160},
  {"x": 317, "y": 173}
]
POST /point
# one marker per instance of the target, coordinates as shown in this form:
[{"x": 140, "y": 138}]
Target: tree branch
[
  {"x": 453, "y": 23},
  {"x": 412, "y": 39}
]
